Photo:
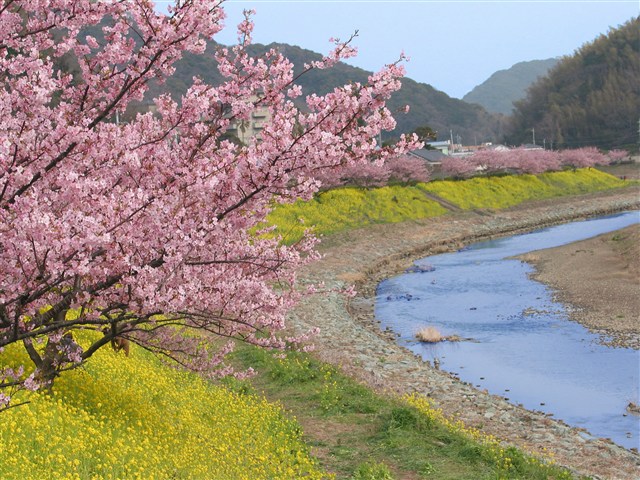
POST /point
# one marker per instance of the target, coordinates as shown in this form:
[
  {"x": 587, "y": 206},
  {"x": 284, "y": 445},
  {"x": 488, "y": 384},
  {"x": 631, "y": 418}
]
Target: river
[{"x": 518, "y": 342}]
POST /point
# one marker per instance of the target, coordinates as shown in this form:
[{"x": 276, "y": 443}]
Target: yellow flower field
[
  {"x": 507, "y": 191},
  {"x": 131, "y": 417},
  {"x": 336, "y": 210},
  {"x": 344, "y": 208}
]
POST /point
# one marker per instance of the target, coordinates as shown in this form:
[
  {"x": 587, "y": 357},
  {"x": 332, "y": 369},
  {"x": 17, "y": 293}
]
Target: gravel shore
[
  {"x": 599, "y": 279},
  {"x": 350, "y": 336}
]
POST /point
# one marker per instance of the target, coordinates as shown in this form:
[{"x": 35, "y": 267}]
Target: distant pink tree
[
  {"x": 458, "y": 167},
  {"x": 521, "y": 160},
  {"x": 518, "y": 160},
  {"x": 616, "y": 156},
  {"x": 405, "y": 169},
  {"x": 398, "y": 168},
  {"x": 536, "y": 161},
  {"x": 489, "y": 161},
  {"x": 367, "y": 175},
  {"x": 583, "y": 157},
  {"x": 144, "y": 230}
]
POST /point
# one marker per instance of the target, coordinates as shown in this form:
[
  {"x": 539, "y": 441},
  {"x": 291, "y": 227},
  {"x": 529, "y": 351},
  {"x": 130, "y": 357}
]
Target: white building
[{"x": 246, "y": 130}]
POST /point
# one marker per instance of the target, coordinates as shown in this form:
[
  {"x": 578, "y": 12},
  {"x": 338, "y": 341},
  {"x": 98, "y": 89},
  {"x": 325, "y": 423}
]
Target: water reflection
[{"x": 523, "y": 347}]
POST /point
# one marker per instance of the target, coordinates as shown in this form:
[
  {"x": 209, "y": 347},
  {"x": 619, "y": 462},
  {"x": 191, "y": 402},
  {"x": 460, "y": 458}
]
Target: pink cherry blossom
[
  {"x": 459, "y": 167},
  {"x": 617, "y": 155},
  {"x": 583, "y": 157},
  {"x": 144, "y": 230}
]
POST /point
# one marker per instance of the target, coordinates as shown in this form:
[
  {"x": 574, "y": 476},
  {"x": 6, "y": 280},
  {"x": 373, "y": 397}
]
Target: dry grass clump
[
  {"x": 429, "y": 335},
  {"x": 633, "y": 408},
  {"x": 433, "y": 335}
]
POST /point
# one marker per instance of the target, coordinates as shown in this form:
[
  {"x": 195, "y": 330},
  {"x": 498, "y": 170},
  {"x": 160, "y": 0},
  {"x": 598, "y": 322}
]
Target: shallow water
[{"x": 524, "y": 347}]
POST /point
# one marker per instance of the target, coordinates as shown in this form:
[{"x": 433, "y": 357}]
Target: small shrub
[
  {"x": 293, "y": 368},
  {"x": 330, "y": 392},
  {"x": 405, "y": 417},
  {"x": 427, "y": 469},
  {"x": 402, "y": 417}
]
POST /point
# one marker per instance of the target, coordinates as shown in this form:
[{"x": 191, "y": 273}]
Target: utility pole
[
  {"x": 544, "y": 143},
  {"x": 533, "y": 132},
  {"x": 451, "y": 134}
]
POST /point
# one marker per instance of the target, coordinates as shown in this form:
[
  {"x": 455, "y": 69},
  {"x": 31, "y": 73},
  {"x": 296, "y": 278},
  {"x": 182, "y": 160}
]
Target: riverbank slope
[{"x": 350, "y": 336}]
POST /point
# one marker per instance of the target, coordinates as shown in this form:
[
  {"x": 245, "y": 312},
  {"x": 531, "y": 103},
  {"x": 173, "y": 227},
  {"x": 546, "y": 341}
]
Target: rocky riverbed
[{"x": 350, "y": 336}]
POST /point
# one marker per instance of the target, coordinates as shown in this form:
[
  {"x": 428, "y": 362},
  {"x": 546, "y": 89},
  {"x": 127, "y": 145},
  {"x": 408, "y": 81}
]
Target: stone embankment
[{"x": 350, "y": 336}]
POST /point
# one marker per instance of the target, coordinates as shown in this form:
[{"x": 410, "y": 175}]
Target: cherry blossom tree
[
  {"x": 534, "y": 161},
  {"x": 406, "y": 169},
  {"x": 459, "y": 167},
  {"x": 521, "y": 160},
  {"x": 144, "y": 231},
  {"x": 616, "y": 156},
  {"x": 368, "y": 175},
  {"x": 399, "y": 169},
  {"x": 490, "y": 161},
  {"x": 583, "y": 157}
]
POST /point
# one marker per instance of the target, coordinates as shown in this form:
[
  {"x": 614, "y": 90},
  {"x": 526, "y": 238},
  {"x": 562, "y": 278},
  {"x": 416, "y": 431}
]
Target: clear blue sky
[{"x": 453, "y": 45}]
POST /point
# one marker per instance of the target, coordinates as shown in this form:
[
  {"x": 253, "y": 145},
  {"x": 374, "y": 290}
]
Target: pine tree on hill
[{"x": 589, "y": 98}]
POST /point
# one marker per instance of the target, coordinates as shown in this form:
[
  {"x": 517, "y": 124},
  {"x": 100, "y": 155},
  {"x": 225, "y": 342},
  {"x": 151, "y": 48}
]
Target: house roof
[
  {"x": 432, "y": 156},
  {"x": 441, "y": 143},
  {"x": 498, "y": 147}
]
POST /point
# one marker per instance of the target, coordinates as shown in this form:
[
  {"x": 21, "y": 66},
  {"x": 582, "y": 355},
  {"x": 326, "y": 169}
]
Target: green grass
[
  {"x": 359, "y": 434},
  {"x": 347, "y": 208}
]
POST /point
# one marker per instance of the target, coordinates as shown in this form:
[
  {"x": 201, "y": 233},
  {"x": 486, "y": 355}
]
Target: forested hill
[
  {"x": 428, "y": 106},
  {"x": 589, "y": 98},
  {"x": 498, "y": 93}
]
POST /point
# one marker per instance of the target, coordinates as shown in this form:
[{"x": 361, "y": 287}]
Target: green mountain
[
  {"x": 589, "y": 98},
  {"x": 428, "y": 106},
  {"x": 500, "y": 90}
]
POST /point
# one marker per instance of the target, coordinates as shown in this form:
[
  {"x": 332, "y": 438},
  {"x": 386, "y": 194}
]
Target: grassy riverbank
[
  {"x": 507, "y": 191},
  {"x": 359, "y": 434},
  {"x": 345, "y": 208}
]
